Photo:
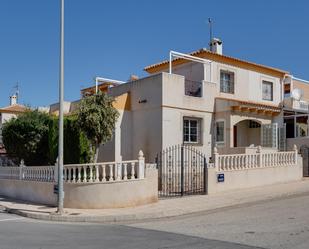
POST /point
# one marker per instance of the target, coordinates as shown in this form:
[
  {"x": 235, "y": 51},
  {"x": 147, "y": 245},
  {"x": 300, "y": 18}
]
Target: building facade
[{"x": 205, "y": 100}]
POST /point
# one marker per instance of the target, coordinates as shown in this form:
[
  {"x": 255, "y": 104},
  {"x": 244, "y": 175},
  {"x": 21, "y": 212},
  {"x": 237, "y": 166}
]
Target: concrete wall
[
  {"x": 141, "y": 127},
  {"x": 120, "y": 147},
  {"x": 248, "y": 83},
  {"x": 176, "y": 105},
  {"x": 242, "y": 179},
  {"x": 87, "y": 195},
  {"x": 37, "y": 192},
  {"x": 113, "y": 195}
]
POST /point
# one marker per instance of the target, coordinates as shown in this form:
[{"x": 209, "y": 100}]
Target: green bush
[
  {"x": 26, "y": 137},
  {"x": 33, "y": 136}
]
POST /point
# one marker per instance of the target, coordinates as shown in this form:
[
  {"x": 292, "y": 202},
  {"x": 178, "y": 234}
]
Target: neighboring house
[
  {"x": 8, "y": 112},
  {"x": 296, "y": 112}
]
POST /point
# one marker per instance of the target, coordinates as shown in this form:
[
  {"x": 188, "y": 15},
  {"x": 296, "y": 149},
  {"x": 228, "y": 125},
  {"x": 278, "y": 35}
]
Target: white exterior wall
[
  {"x": 158, "y": 123},
  {"x": 176, "y": 105},
  {"x": 141, "y": 127},
  {"x": 247, "y": 87},
  {"x": 248, "y": 178},
  {"x": 248, "y": 83}
]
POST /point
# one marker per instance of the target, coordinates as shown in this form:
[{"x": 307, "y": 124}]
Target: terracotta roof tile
[
  {"x": 14, "y": 109},
  {"x": 205, "y": 53}
]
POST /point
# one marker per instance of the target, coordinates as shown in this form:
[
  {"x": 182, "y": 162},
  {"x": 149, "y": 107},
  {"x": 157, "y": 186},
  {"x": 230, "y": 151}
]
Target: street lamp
[{"x": 61, "y": 90}]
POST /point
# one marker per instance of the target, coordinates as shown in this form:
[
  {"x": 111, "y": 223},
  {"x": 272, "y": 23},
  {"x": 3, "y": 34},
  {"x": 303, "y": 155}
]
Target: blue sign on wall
[
  {"x": 56, "y": 190},
  {"x": 220, "y": 177}
]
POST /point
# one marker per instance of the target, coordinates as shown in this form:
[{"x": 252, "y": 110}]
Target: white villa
[{"x": 206, "y": 99}]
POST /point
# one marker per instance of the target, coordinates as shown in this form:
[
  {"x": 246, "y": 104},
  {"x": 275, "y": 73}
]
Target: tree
[
  {"x": 75, "y": 143},
  {"x": 26, "y": 137},
  {"x": 97, "y": 118}
]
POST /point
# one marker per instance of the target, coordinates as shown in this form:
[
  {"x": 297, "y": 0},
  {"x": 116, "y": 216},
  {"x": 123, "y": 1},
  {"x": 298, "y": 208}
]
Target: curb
[
  {"x": 144, "y": 216},
  {"x": 90, "y": 219}
]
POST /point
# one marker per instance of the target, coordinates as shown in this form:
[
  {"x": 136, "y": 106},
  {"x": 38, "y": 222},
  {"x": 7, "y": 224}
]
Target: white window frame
[
  {"x": 199, "y": 130},
  {"x": 220, "y": 142},
  {"x": 226, "y": 71},
  {"x": 265, "y": 81}
]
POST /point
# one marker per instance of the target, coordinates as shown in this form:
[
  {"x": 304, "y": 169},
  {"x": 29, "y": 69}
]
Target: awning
[{"x": 252, "y": 107}]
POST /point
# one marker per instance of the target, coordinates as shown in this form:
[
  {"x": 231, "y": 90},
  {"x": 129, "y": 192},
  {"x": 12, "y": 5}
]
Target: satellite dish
[{"x": 297, "y": 94}]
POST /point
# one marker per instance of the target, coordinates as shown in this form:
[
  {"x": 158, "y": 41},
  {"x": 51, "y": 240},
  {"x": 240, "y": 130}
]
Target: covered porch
[{"x": 244, "y": 125}]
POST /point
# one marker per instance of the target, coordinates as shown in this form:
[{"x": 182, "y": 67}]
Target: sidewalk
[{"x": 164, "y": 208}]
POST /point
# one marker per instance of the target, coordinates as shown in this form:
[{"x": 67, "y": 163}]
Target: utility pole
[{"x": 61, "y": 90}]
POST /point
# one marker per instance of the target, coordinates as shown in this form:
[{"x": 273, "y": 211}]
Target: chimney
[
  {"x": 216, "y": 46},
  {"x": 133, "y": 77},
  {"x": 13, "y": 99}
]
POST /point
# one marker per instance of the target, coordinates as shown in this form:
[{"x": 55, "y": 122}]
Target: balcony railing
[
  {"x": 296, "y": 104},
  {"x": 193, "y": 88}
]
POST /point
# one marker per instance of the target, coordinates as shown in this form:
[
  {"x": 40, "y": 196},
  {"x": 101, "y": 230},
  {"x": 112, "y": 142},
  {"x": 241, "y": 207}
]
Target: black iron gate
[{"x": 182, "y": 171}]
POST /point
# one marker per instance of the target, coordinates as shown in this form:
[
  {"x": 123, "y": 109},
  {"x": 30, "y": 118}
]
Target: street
[{"x": 282, "y": 223}]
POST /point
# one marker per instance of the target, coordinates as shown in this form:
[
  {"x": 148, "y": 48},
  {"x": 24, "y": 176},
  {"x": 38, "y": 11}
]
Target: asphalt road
[
  {"x": 22, "y": 233},
  {"x": 273, "y": 224}
]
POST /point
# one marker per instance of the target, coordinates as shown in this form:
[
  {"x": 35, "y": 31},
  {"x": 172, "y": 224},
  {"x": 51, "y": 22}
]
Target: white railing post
[
  {"x": 216, "y": 159},
  {"x": 259, "y": 152},
  {"x": 141, "y": 165},
  {"x": 118, "y": 171},
  {"x": 295, "y": 153},
  {"x": 125, "y": 171},
  {"x": 21, "y": 169}
]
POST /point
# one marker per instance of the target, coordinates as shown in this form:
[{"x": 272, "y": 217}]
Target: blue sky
[{"x": 117, "y": 38}]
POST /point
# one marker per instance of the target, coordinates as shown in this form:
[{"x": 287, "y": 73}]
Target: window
[
  {"x": 192, "y": 130},
  {"x": 193, "y": 88},
  {"x": 267, "y": 90},
  {"x": 220, "y": 132},
  {"x": 226, "y": 82}
]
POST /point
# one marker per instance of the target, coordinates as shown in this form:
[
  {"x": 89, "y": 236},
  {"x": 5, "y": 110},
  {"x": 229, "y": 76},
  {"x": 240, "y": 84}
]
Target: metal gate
[{"x": 182, "y": 171}]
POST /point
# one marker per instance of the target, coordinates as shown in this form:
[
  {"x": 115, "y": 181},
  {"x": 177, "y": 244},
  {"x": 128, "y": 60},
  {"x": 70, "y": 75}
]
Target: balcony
[
  {"x": 193, "y": 88},
  {"x": 300, "y": 105}
]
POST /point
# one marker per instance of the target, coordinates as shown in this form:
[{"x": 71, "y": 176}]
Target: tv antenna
[
  {"x": 210, "y": 30},
  {"x": 16, "y": 87}
]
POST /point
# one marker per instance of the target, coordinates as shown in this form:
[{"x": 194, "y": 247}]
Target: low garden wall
[
  {"x": 88, "y": 186},
  {"x": 240, "y": 171}
]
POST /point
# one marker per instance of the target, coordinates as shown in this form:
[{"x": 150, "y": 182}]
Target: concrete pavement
[{"x": 164, "y": 208}]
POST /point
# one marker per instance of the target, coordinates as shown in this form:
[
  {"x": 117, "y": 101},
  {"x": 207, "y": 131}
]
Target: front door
[{"x": 235, "y": 135}]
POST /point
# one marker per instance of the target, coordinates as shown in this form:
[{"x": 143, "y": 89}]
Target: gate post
[
  {"x": 182, "y": 171},
  {"x": 205, "y": 176}
]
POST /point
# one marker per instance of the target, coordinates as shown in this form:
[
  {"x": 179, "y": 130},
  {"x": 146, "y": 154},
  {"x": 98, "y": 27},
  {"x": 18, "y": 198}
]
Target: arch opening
[{"x": 246, "y": 133}]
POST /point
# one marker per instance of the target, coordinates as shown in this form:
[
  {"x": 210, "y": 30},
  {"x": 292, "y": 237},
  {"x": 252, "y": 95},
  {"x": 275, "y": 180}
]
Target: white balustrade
[
  {"x": 254, "y": 160},
  {"x": 80, "y": 173},
  {"x": 39, "y": 173},
  {"x": 100, "y": 172}
]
